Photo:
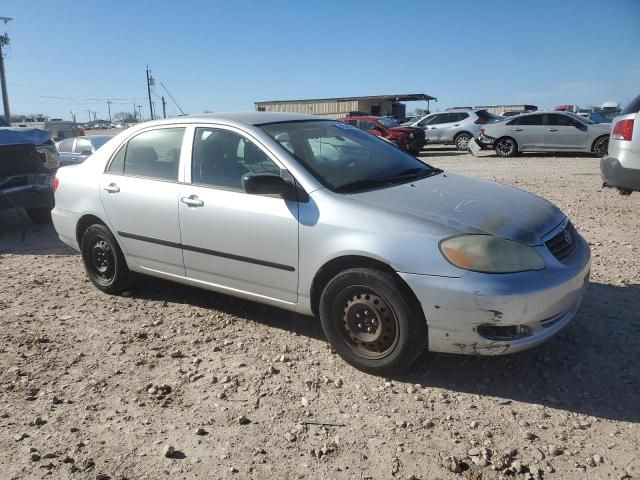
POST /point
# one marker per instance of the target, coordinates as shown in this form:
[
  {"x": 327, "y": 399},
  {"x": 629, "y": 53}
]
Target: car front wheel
[
  {"x": 371, "y": 321},
  {"x": 506, "y": 147},
  {"x": 601, "y": 146},
  {"x": 103, "y": 260}
]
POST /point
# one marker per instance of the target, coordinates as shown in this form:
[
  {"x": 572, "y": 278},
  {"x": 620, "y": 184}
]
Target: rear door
[
  {"x": 233, "y": 240},
  {"x": 140, "y": 192},
  {"x": 565, "y": 133},
  {"x": 433, "y": 126},
  {"x": 529, "y": 131}
]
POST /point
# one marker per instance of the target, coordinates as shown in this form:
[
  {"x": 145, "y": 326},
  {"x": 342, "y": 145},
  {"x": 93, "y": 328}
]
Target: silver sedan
[
  {"x": 312, "y": 215},
  {"x": 545, "y": 132}
]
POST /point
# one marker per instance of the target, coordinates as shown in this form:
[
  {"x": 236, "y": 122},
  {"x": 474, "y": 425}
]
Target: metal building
[
  {"x": 340, "y": 107},
  {"x": 498, "y": 109}
]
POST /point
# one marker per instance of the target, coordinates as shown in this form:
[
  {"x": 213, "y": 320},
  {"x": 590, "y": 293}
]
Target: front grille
[{"x": 563, "y": 244}]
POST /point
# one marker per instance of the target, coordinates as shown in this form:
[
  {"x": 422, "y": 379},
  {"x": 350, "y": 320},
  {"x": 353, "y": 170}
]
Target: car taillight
[
  {"x": 56, "y": 182},
  {"x": 623, "y": 130}
]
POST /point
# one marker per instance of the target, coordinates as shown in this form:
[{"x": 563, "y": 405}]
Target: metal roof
[{"x": 400, "y": 97}]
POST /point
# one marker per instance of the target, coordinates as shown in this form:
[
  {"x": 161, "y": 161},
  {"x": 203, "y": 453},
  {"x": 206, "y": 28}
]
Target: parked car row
[{"x": 408, "y": 138}]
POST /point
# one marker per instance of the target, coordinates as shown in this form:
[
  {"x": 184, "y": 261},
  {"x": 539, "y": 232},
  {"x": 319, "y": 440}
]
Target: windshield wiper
[
  {"x": 360, "y": 185},
  {"x": 414, "y": 174}
]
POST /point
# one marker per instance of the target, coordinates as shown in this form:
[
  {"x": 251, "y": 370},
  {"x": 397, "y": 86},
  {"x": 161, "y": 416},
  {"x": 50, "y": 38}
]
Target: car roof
[{"x": 249, "y": 118}]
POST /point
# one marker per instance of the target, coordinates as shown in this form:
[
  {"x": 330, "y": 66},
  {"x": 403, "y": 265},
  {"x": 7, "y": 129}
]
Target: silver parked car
[
  {"x": 77, "y": 149},
  {"x": 621, "y": 167},
  {"x": 545, "y": 132},
  {"x": 316, "y": 216},
  {"x": 453, "y": 126}
]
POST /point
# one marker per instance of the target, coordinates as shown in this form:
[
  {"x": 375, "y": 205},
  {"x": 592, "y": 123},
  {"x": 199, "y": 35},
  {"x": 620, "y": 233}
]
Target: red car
[{"x": 410, "y": 139}]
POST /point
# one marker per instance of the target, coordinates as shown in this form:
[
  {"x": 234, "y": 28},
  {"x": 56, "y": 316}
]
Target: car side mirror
[
  {"x": 86, "y": 153},
  {"x": 266, "y": 184}
]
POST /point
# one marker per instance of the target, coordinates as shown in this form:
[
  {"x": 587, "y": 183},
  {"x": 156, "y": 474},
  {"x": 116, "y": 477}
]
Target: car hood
[{"x": 468, "y": 205}]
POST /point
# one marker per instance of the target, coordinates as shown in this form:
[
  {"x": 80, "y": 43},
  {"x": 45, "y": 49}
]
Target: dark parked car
[
  {"x": 410, "y": 139},
  {"x": 76, "y": 150}
]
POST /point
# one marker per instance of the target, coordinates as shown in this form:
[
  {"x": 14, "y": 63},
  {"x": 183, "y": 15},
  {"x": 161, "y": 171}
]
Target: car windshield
[
  {"x": 388, "y": 122},
  {"x": 344, "y": 158}
]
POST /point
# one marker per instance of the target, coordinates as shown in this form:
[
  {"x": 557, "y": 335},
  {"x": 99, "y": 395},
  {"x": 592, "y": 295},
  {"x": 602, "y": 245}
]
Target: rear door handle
[
  {"x": 552, "y": 129},
  {"x": 192, "y": 201},
  {"x": 112, "y": 188}
]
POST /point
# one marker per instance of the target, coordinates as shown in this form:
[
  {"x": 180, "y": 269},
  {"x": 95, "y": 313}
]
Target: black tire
[
  {"x": 371, "y": 321},
  {"x": 506, "y": 147},
  {"x": 40, "y": 215},
  {"x": 103, "y": 260},
  {"x": 600, "y": 146},
  {"x": 462, "y": 141}
]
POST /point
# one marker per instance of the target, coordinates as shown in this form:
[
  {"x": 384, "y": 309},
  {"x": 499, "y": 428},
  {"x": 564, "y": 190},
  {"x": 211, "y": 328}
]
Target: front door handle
[
  {"x": 112, "y": 188},
  {"x": 192, "y": 201},
  {"x": 517, "y": 129},
  {"x": 552, "y": 129}
]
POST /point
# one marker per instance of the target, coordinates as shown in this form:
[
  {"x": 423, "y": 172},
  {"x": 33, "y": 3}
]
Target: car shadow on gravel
[
  {"x": 592, "y": 367},
  {"x": 20, "y": 236},
  {"x": 150, "y": 288}
]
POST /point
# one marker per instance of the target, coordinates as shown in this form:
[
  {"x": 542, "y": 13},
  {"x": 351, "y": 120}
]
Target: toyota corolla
[{"x": 313, "y": 215}]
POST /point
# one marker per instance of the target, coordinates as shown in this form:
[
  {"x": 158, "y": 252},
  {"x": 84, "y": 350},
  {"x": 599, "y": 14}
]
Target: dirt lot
[{"x": 93, "y": 386}]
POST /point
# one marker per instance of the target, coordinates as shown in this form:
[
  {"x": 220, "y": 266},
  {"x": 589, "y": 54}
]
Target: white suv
[
  {"x": 621, "y": 167},
  {"x": 454, "y": 126}
]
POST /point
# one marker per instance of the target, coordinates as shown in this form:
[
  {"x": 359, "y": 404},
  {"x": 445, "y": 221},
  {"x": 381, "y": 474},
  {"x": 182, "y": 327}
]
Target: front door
[
  {"x": 565, "y": 133},
  {"x": 140, "y": 193},
  {"x": 529, "y": 131},
  {"x": 235, "y": 241}
]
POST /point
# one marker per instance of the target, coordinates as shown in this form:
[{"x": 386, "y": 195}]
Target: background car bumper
[
  {"x": 484, "y": 314},
  {"x": 615, "y": 175}
]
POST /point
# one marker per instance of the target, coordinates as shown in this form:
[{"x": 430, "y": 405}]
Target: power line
[{"x": 174, "y": 100}]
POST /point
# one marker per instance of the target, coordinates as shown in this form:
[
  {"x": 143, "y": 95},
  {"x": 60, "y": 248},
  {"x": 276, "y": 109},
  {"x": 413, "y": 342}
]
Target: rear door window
[
  {"x": 65, "y": 146},
  {"x": 367, "y": 125},
  {"x": 528, "y": 120},
  {"x": 155, "y": 154},
  {"x": 557, "y": 120},
  {"x": 461, "y": 116}
]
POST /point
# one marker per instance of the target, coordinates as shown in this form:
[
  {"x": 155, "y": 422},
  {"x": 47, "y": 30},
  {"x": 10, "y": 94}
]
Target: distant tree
[{"x": 127, "y": 117}]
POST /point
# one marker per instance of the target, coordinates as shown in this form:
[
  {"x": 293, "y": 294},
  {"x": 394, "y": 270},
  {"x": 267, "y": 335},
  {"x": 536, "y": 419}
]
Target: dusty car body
[
  {"x": 545, "y": 131},
  {"x": 318, "y": 217},
  {"x": 28, "y": 160}
]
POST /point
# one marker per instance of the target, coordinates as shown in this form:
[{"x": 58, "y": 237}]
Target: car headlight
[
  {"x": 489, "y": 254},
  {"x": 411, "y": 135}
]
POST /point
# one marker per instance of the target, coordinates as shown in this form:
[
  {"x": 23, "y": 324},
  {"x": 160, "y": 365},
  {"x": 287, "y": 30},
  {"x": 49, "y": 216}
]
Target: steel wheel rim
[
  {"x": 504, "y": 147},
  {"x": 102, "y": 260},
  {"x": 368, "y": 324},
  {"x": 463, "y": 142}
]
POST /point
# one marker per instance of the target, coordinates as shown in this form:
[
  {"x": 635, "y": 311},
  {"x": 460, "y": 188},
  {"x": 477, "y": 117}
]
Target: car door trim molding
[{"x": 206, "y": 251}]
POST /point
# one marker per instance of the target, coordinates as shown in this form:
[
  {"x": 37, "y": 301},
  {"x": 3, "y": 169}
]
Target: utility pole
[
  {"x": 149, "y": 83},
  {"x": 164, "y": 108},
  {"x": 73, "y": 116},
  {"x": 89, "y": 112},
  {"x": 140, "y": 112},
  {"x": 109, "y": 108},
  {"x": 4, "y": 41},
  {"x": 135, "y": 113}
]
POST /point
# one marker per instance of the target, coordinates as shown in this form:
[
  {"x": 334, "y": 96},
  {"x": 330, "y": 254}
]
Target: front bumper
[
  {"x": 485, "y": 141},
  {"x": 615, "y": 175},
  {"x": 494, "y": 314}
]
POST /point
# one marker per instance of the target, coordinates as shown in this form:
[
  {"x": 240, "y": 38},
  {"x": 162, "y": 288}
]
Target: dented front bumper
[{"x": 494, "y": 314}]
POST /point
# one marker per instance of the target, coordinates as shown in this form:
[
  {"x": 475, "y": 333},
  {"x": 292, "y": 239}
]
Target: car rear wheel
[
  {"x": 601, "y": 146},
  {"x": 506, "y": 147},
  {"x": 103, "y": 260},
  {"x": 462, "y": 141},
  {"x": 41, "y": 215},
  {"x": 371, "y": 322}
]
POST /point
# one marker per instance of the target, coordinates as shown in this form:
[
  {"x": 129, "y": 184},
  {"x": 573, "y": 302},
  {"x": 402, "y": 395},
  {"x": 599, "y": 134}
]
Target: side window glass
[
  {"x": 560, "y": 120},
  {"x": 155, "y": 154},
  {"x": 531, "y": 120},
  {"x": 221, "y": 158},
  {"x": 65, "y": 146},
  {"x": 461, "y": 116},
  {"x": 117, "y": 162},
  {"x": 82, "y": 144},
  {"x": 367, "y": 125}
]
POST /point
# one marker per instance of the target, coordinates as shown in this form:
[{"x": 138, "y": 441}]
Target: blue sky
[{"x": 224, "y": 55}]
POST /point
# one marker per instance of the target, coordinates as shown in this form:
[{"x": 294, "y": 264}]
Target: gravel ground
[{"x": 95, "y": 386}]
